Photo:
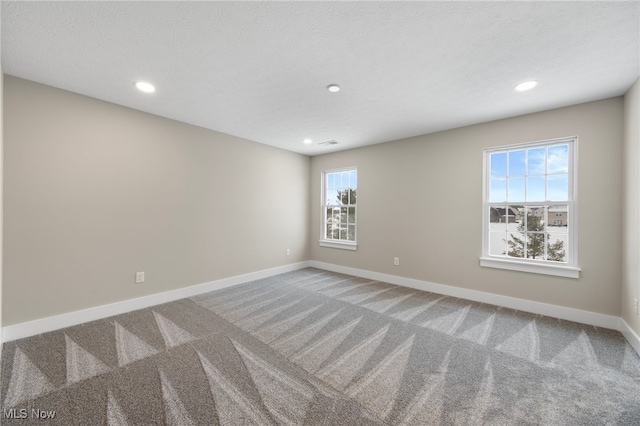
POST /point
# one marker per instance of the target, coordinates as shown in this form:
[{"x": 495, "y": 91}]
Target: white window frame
[
  {"x": 332, "y": 243},
  {"x": 569, "y": 269}
]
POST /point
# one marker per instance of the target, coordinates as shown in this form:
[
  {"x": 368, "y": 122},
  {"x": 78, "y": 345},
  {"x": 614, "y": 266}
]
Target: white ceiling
[{"x": 259, "y": 70}]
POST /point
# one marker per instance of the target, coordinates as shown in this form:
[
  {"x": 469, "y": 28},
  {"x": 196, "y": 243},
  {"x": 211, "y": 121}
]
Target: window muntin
[
  {"x": 529, "y": 204},
  {"x": 339, "y": 189}
]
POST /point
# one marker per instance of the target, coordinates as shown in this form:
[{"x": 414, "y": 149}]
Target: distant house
[
  {"x": 537, "y": 212},
  {"x": 557, "y": 216},
  {"x": 504, "y": 215}
]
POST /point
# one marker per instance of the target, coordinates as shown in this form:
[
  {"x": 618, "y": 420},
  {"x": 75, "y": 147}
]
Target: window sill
[
  {"x": 344, "y": 245},
  {"x": 535, "y": 268}
]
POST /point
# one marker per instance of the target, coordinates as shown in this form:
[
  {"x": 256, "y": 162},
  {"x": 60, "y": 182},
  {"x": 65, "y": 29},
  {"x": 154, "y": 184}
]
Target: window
[
  {"x": 339, "y": 208},
  {"x": 529, "y": 216}
]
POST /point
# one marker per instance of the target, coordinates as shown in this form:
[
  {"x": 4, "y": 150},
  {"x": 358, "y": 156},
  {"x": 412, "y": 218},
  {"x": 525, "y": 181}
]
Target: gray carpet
[{"x": 317, "y": 348}]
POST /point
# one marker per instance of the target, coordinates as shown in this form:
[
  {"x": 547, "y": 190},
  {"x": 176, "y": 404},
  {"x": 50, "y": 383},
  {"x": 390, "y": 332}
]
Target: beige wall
[
  {"x": 95, "y": 192},
  {"x": 1, "y": 190},
  {"x": 420, "y": 199},
  {"x": 631, "y": 209}
]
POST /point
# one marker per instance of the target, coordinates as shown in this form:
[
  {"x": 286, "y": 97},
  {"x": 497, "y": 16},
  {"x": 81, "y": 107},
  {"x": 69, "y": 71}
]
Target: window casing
[
  {"x": 339, "y": 195},
  {"x": 529, "y": 209}
]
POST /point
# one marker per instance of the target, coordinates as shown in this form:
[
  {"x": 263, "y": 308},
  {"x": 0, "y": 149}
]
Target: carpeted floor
[{"x": 317, "y": 348}]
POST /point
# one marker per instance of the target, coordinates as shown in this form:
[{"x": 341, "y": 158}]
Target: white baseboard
[
  {"x": 555, "y": 311},
  {"x": 31, "y": 328},
  {"x": 631, "y": 336}
]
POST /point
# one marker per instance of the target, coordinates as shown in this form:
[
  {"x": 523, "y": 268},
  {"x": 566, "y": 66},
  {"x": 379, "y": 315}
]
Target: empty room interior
[{"x": 320, "y": 213}]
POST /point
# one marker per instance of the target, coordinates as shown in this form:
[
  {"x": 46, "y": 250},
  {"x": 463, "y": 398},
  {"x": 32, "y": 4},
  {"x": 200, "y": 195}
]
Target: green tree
[
  {"x": 346, "y": 196},
  {"x": 535, "y": 242}
]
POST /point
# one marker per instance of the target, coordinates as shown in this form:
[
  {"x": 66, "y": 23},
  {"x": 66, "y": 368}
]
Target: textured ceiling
[{"x": 259, "y": 70}]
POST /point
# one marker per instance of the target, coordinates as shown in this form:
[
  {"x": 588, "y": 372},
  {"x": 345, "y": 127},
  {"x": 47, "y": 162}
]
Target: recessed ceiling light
[
  {"x": 527, "y": 85},
  {"x": 307, "y": 141},
  {"x": 333, "y": 88},
  {"x": 145, "y": 87}
]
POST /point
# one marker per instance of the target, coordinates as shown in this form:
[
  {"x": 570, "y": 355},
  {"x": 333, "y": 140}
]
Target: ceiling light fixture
[
  {"x": 143, "y": 86},
  {"x": 333, "y": 88},
  {"x": 527, "y": 85},
  {"x": 307, "y": 141}
]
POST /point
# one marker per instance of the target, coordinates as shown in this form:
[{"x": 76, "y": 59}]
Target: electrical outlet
[
  {"x": 288, "y": 252},
  {"x": 635, "y": 306},
  {"x": 396, "y": 261},
  {"x": 139, "y": 277}
]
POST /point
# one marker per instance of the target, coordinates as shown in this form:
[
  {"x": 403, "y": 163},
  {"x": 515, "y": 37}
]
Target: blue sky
[
  {"x": 532, "y": 174},
  {"x": 342, "y": 180},
  {"x": 339, "y": 180}
]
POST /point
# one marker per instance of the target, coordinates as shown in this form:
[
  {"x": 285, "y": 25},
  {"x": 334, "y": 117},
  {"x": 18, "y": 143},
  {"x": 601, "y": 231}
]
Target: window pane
[
  {"x": 535, "y": 220},
  {"x": 535, "y": 188},
  {"x": 498, "y": 164},
  {"x": 333, "y": 231},
  {"x": 351, "y": 216},
  {"x": 515, "y": 227},
  {"x": 515, "y": 243},
  {"x": 335, "y": 215},
  {"x": 516, "y": 213},
  {"x": 558, "y": 219},
  {"x": 344, "y": 196},
  {"x": 535, "y": 245},
  {"x": 352, "y": 233},
  {"x": 536, "y": 161},
  {"x": 332, "y": 197},
  {"x": 498, "y": 243},
  {"x": 516, "y": 189},
  {"x": 353, "y": 179},
  {"x": 534, "y": 223},
  {"x": 343, "y": 215},
  {"x": 558, "y": 187},
  {"x": 345, "y": 180},
  {"x": 557, "y": 247},
  {"x": 498, "y": 190},
  {"x": 343, "y": 232},
  {"x": 331, "y": 181},
  {"x": 516, "y": 163},
  {"x": 558, "y": 159},
  {"x": 497, "y": 218},
  {"x": 352, "y": 196}
]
